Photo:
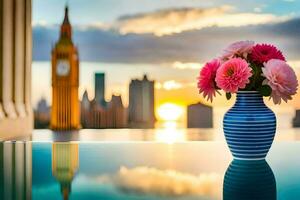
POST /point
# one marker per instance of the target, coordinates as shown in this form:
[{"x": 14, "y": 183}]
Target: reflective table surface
[{"x": 146, "y": 171}]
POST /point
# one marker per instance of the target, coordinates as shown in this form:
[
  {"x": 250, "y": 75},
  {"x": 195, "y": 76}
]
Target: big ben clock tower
[{"x": 65, "y": 81}]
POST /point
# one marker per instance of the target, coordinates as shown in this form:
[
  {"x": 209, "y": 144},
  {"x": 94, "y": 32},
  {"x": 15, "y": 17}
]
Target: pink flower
[
  {"x": 237, "y": 49},
  {"x": 262, "y": 53},
  {"x": 281, "y": 78},
  {"x": 233, "y": 75},
  {"x": 206, "y": 80}
]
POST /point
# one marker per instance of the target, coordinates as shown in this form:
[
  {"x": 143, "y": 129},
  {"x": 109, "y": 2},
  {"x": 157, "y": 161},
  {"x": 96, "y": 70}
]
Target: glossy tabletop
[{"x": 146, "y": 171}]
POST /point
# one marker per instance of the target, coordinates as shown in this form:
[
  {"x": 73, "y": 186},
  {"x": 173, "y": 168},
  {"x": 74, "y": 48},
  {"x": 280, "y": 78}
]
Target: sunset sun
[{"x": 170, "y": 112}]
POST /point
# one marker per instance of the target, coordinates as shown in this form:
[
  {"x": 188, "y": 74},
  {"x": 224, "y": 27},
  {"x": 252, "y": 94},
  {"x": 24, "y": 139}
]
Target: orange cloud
[
  {"x": 167, "y": 22},
  {"x": 169, "y": 85},
  {"x": 189, "y": 65}
]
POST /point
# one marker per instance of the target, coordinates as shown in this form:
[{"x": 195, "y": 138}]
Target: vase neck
[{"x": 249, "y": 98}]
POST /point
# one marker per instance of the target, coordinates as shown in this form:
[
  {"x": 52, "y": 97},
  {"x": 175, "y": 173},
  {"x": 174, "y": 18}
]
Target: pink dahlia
[
  {"x": 281, "y": 78},
  {"x": 237, "y": 49},
  {"x": 206, "y": 80},
  {"x": 262, "y": 53},
  {"x": 233, "y": 75}
]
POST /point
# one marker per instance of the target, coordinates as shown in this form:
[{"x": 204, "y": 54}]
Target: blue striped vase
[{"x": 249, "y": 127}]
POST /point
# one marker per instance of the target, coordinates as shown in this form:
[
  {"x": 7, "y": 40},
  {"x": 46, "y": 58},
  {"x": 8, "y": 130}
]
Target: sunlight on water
[{"x": 170, "y": 133}]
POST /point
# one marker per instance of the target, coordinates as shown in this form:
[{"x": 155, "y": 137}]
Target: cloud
[
  {"x": 177, "y": 20},
  {"x": 42, "y": 23},
  {"x": 169, "y": 85},
  {"x": 189, "y": 65},
  {"x": 152, "y": 181},
  {"x": 195, "y": 46},
  {"x": 171, "y": 21},
  {"x": 257, "y": 9},
  {"x": 95, "y": 25}
]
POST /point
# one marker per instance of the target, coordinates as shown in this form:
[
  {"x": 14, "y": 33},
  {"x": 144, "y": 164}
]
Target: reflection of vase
[
  {"x": 249, "y": 127},
  {"x": 245, "y": 180}
]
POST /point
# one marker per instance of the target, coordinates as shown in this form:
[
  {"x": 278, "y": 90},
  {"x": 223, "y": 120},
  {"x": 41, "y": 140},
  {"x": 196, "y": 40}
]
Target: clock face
[{"x": 62, "y": 68}]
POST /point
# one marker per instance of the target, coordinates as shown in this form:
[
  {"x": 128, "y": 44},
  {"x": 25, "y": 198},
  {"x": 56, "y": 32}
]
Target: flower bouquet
[
  {"x": 252, "y": 71},
  {"x": 245, "y": 66}
]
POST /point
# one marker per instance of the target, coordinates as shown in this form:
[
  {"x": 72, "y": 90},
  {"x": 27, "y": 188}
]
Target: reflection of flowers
[{"x": 147, "y": 180}]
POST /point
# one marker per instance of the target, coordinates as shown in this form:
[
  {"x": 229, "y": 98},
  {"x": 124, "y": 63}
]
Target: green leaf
[
  {"x": 228, "y": 95},
  {"x": 256, "y": 79},
  {"x": 265, "y": 90}
]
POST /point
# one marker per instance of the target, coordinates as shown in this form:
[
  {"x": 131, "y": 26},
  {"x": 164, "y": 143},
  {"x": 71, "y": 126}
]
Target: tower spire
[
  {"x": 66, "y": 29},
  {"x": 66, "y": 18}
]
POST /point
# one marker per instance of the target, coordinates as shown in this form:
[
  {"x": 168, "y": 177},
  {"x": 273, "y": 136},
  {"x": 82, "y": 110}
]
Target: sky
[
  {"x": 107, "y": 11},
  {"x": 167, "y": 39},
  {"x": 166, "y": 30}
]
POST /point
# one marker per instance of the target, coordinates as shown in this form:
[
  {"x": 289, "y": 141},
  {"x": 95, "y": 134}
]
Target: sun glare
[
  {"x": 170, "y": 112},
  {"x": 169, "y": 134}
]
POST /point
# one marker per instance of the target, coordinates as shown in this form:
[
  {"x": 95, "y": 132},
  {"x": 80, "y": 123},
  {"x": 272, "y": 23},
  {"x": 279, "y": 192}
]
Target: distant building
[
  {"x": 42, "y": 115},
  {"x": 116, "y": 113},
  {"x": 199, "y": 116},
  {"x": 296, "y": 120},
  {"x": 141, "y": 103},
  {"x": 94, "y": 115},
  {"x": 85, "y": 102},
  {"x": 100, "y": 88},
  {"x": 98, "y": 113},
  {"x": 85, "y": 107}
]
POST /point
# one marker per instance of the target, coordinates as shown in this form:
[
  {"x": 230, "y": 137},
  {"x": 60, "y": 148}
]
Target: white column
[
  {"x": 28, "y": 56},
  {"x": 19, "y": 57},
  {"x": 7, "y": 59},
  {"x": 2, "y": 115}
]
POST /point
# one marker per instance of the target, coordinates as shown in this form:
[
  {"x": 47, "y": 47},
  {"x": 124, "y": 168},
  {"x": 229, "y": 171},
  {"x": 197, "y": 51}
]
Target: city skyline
[
  {"x": 109, "y": 42},
  {"x": 98, "y": 113}
]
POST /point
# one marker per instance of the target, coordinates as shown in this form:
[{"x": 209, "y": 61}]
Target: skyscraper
[
  {"x": 100, "y": 88},
  {"x": 65, "y": 81},
  {"x": 141, "y": 103}
]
